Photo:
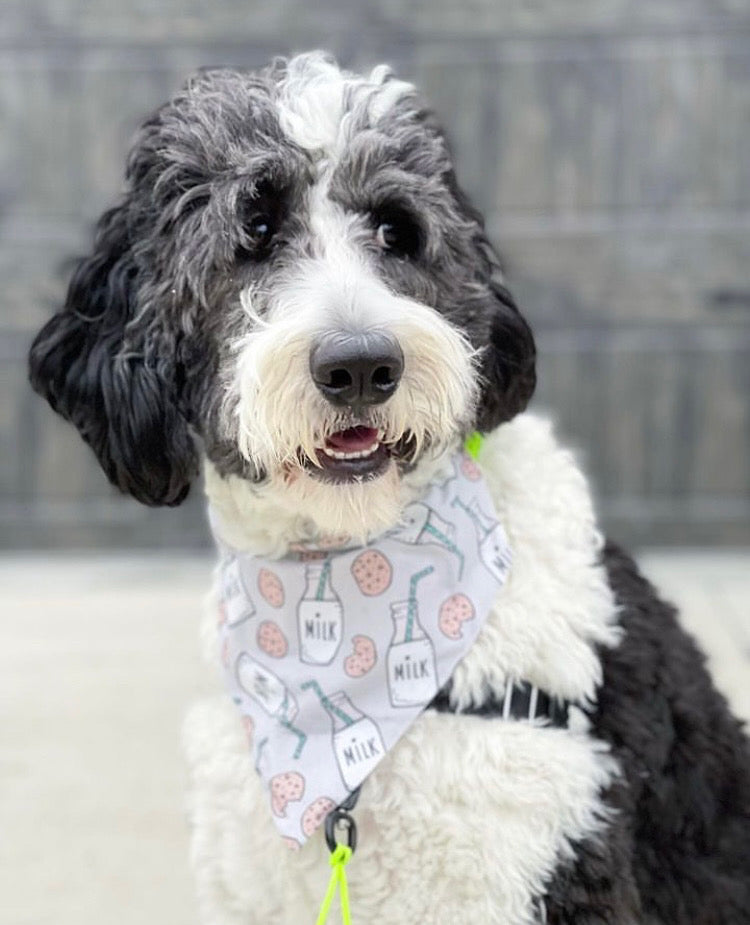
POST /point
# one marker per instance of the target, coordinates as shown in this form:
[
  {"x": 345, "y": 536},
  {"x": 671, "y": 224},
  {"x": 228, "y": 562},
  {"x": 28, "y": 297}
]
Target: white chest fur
[{"x": 467, "y": 818}]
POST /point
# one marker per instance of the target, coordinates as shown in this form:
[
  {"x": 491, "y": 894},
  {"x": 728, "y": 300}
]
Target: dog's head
[{"x": 293, "y": 286}]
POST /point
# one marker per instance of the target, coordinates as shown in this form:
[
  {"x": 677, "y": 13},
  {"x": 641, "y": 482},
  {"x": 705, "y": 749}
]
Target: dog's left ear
[
  {"x": 102, "y": 367},
  {"x": 507, "y": 367},
  {"x": 508, "y": 364}
]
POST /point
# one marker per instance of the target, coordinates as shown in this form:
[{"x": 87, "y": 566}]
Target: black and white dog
[{"x": 295, "y": 294}]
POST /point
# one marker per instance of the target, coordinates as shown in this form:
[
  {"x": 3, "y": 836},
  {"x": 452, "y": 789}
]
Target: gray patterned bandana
[{"x": 331, "y": 654}]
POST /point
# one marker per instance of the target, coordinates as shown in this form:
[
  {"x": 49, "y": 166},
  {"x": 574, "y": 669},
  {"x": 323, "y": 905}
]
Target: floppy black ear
[
  {"x": 508, "y": 368},
  {"x": 122, "y": 398},
  {"x": 508, "y": 364}
]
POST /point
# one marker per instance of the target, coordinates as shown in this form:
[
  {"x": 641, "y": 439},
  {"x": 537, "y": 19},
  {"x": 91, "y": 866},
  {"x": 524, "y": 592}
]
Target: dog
[{"x": 295, "y": 295}]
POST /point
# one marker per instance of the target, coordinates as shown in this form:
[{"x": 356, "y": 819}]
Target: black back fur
[{"x": 678, "y": 849}]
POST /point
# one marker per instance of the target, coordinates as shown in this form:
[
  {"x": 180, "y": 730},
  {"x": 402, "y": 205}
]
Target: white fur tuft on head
[{"x": 316, "y": 99}]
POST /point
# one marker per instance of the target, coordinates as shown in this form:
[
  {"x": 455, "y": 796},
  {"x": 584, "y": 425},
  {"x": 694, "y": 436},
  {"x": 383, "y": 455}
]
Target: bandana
[{"x": 332, "y": 653}]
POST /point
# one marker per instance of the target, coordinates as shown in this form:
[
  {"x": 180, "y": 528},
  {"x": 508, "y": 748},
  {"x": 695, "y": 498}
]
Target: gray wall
[{"x": 607, "y": 142}]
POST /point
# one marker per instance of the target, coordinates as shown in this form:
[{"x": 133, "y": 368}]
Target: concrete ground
[{"x": 98, "y": 659}]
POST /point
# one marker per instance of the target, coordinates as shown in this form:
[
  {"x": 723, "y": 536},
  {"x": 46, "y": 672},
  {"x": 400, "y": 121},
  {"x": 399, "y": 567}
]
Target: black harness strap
[{"x": 520, "y": 700}]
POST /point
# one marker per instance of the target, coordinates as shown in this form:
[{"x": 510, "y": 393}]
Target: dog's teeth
[{"x": 356, "y": 454}]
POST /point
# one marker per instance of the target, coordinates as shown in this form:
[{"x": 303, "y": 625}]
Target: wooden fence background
[{"x": 607, "y": 141}]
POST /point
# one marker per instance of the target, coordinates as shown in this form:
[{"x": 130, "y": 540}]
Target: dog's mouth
[
  {"x": 359, "y": 454},
  {"x": 350, "y": 455}
]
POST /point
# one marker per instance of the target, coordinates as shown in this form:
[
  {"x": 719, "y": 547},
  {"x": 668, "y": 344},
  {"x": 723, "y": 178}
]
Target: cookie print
[
  {"x": 291, "y": 843},
  {"x": 312, "y": 555},
  {"x": 270, "y": 587},
  {"x": 470, "y": 469},
  {"x": 271, "y": 640},
  {"x": 286, "y": 788},
  {"x": 362, "y": 659},
  {"x": 372, "y": 572},
  {"x": 334, "y": 541},
  {"x": 454, "y": 611},
  {"x": 249, "y": 725},
  {"x": 315, "y": 813}
]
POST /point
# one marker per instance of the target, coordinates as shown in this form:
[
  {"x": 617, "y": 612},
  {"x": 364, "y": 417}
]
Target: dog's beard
[
  {"x": 354, "y": 509},
  {"x": 300, "y": 475},
  {"x": 302, "y": 481},
  {"x": 283, "y": 423}
]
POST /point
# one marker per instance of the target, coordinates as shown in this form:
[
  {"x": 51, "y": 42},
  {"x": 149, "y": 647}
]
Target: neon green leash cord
[
  {"x": 473, "y": 444},
  {"x": 338, "y": 861},
  {"x": 338, "y": 819},
  {"x": 342, "y": 854}
]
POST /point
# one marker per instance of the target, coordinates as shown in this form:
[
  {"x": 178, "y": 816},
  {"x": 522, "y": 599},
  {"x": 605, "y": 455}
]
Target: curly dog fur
[{"x": 268, "y": 220}]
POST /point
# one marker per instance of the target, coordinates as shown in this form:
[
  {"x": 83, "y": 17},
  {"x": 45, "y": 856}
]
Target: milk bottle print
[
  {"x": 420, "y": 524},
  {"x": 265, "y": 688},
  {"x": 410, "y": 660},
  {"x": 238, "y": 606},
  {"x": 357, "y": 743},
  {"x": 412, "y": 675},
  {"x": 494, "y": 550},
  {"x": 320, "y": 616}
]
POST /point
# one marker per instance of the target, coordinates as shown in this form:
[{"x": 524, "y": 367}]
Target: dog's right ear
[{"x": 123, "y": 398}]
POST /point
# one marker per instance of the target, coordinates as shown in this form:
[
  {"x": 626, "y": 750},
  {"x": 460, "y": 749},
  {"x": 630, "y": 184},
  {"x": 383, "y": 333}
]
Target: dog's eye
[
  {"x": 397, "y": 232},
  {"x": 260, "y": 217},
  {"x": 259, "y": 230}
]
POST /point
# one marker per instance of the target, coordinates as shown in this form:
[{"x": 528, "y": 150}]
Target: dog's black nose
[{"x": 357, "y": 369}]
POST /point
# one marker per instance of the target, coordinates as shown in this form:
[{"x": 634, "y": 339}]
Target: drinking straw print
[
  {"x": 412, "y": 611},
  {"x": 327, "y": 702}
]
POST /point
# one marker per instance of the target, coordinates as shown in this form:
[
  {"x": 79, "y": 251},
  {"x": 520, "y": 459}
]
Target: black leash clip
[{"x": 341, "y": 818}]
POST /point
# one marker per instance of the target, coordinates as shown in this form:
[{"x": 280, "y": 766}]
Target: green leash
[
  {"x": 473, "y": 444},
  {"x": 338, "y": 861},
  {"x": 342, "y": 854}
]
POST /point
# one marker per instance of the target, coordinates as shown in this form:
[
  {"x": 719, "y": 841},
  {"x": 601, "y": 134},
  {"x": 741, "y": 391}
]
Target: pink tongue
[{"x": 353, "y": 439}]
